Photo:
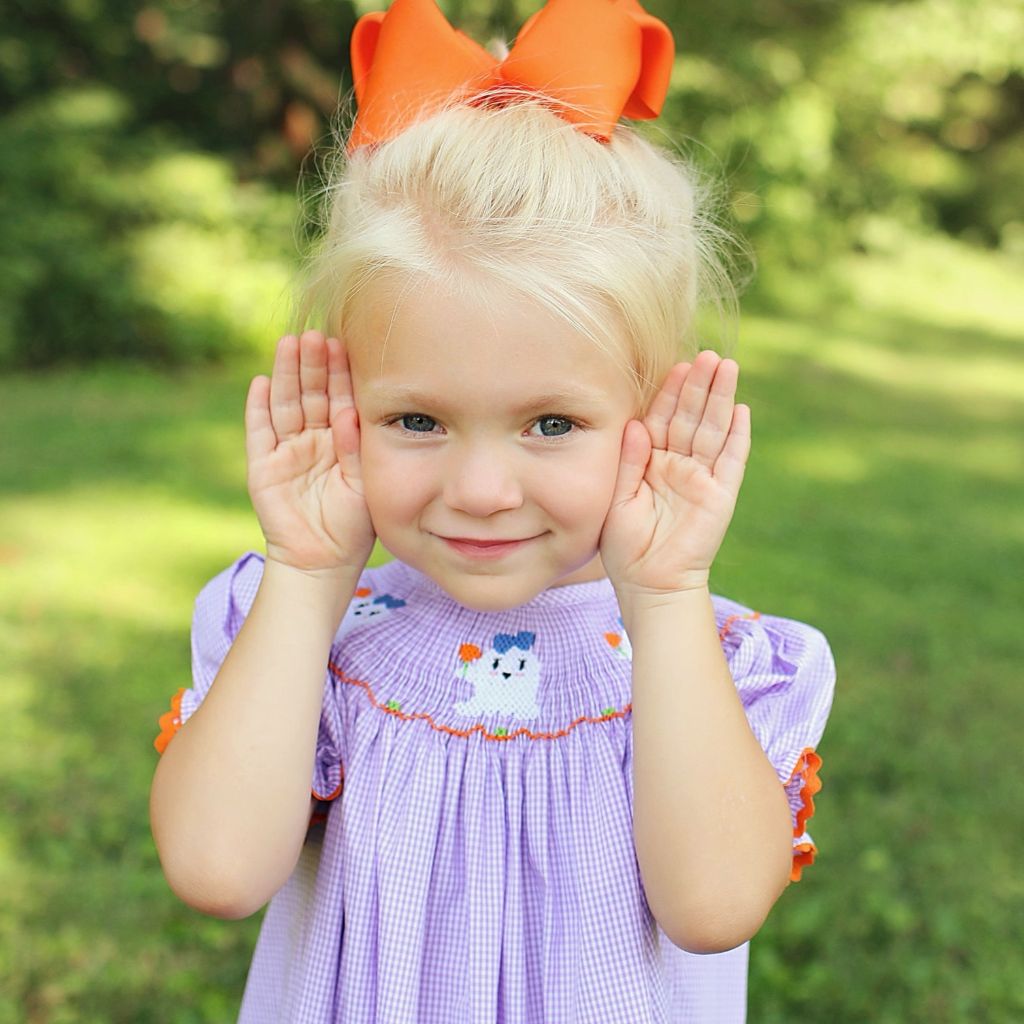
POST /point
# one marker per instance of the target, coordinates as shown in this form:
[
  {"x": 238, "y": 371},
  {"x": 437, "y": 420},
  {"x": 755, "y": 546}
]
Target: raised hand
[
  {"x": 302, "y": 448},
  {"x": 679, "y": 477}
]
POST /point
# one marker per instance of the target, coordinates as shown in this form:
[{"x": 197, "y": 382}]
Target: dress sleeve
[
  {"x": 220, "y": 610},
  {"x": 785, "y": 676}
]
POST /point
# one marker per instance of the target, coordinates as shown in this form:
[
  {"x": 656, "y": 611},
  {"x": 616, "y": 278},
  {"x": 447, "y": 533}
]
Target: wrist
[
  {"x": 322, "y": 594},
  {"x": 639, "y": 606},
  {"x": 328, "y": 576}
]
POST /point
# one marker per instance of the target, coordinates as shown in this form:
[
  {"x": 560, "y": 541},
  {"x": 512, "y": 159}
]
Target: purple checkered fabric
[{"x": 476, "y": 865}]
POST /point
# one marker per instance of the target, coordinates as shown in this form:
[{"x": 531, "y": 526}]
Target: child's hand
[
  {"x": 679, "y": 477},
  {"x": 302, "y": 444}
]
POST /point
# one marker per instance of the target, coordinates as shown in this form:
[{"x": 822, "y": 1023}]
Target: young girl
[{"x": 553, "y": 778}]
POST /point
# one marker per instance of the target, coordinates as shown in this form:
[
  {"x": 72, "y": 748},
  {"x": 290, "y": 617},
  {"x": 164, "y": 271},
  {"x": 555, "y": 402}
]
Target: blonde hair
[{"x": 616, "y": 238}]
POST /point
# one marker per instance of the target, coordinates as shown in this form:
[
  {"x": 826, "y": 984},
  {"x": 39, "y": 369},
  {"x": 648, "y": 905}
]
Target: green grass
[{"x": 882, "y": 504}]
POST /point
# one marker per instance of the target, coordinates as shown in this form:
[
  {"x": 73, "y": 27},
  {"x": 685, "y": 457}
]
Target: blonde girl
[{"x": 530, "y": 769}]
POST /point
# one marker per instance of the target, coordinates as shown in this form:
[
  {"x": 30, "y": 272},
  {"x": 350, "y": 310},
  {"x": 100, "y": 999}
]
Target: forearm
[
  {"x": 230, "y": 800},
  {"x": 711, "y": 821}
]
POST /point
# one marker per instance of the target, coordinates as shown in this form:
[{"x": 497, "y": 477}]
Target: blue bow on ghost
[
  {"x": 389, "y": 602},
  {"x": 506, "y": 641}
]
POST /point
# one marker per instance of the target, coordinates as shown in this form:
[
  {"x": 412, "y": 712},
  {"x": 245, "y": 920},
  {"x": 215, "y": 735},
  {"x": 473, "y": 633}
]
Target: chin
[{"x": 487, "y": 593}]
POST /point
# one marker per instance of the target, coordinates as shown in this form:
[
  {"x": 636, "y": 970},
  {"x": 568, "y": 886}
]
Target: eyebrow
[{"x": 549, "y": 400}]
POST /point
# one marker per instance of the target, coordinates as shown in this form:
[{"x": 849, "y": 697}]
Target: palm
[
  {"x": 303, "y": 469},
  {"x": 679, "y": 480}
]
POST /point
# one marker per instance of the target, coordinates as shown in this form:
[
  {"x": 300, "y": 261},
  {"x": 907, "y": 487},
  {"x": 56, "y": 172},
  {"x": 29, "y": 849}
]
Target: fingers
[
  {"x": 663, "y": 407},
  {"x": 693, "y": 397},
  {"x": 695, "y": 415},
  {"x": 260, "y": 439},
  {"x": 730, "y": 465},
  {"x": 285, "y": 404},
  {"x": 298, "y": 387},
  {"x": 703, "y": 415},
  {"x": 339, "y": 379},
  {"x": 716, "y": 419},
  {"x": 635, "y": 454},
  {"x": 311, "y": 388},
  {"x": 343, "y": 414},
  {"x": 345, "y": 433},
  {"x": 313, "y": 360}
]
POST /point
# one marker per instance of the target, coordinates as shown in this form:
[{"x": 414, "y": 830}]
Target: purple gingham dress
[{"x": 476, "y": 864}]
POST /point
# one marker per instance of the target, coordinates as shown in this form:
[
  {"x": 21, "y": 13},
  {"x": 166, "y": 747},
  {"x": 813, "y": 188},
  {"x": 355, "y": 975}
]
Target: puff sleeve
[
  {"x": 785, "y": 676},
  {"x": 220, "y": 610}
]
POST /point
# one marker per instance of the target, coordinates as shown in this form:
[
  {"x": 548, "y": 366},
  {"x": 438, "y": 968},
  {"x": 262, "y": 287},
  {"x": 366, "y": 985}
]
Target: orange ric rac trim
[
  {"x": 807, "y": 767},
  {"x": 392, "y": 707},
  {"x": 803, "y": 854},
  {"x": 469, "y": 652},
  {"x": 337, "y": 789},
  {"x": 170, "y": 723},
  {"x": 318, "y": 817},
  {"x": 727, "y": 625}
]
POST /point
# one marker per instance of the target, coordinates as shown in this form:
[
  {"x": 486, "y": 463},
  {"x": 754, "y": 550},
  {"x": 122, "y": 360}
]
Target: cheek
[
  {"x": 585, "y": 484},
  {"x": 395, "y": 485}
]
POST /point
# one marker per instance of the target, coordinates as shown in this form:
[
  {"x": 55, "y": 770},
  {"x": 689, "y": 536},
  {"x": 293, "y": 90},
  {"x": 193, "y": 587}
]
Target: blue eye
[
  {"x": 417, "y": 423},
  {"x": 561, "y": 425}
]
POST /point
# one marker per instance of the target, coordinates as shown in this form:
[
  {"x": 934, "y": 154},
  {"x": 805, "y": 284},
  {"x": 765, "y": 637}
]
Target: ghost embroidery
[
  {"x": 364, "y": 608},
  {"x": 504, "y": 678}
]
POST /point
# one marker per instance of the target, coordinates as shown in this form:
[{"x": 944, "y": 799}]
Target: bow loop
[
  {"x": 597, "y": 59},
  {"x": 504, "y": 642},
  {"x": 406, "y": 60}
]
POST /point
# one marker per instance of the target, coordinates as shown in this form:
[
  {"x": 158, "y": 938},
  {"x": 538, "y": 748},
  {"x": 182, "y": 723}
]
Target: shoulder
[
  {"x": 756, "y": 641},
  {"x": 388, "y": 585},
  {"x": 233, "y": 590},
  {"x": 785, "y": 677}
]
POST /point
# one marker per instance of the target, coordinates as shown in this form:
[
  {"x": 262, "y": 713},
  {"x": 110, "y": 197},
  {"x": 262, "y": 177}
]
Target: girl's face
[{"x": 486, "y": 422}]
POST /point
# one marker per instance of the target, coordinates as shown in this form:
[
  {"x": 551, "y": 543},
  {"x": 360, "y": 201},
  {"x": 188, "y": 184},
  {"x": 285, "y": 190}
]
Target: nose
[{"x": 480, "y": 480}]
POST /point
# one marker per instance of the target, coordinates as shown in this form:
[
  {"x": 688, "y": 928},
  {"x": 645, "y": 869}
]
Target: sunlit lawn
[{"x": 883, "y": 503}]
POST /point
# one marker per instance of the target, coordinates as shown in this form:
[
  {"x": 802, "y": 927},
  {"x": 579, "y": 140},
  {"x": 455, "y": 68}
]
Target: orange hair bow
[{"x": 606, "y": 58}]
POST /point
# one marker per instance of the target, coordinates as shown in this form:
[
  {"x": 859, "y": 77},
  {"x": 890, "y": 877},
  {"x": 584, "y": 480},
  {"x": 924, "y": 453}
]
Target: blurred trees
[
  {"x": 251, "y": 80},
  {"x": 833, "y": 120},
  {"x": 149, "y": 150},
  {"x": 147, "y": 153}
]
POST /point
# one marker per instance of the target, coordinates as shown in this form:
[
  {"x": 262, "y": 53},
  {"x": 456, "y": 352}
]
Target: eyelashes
[
  {"x": 414, "y": 416},
  {"x": 419, "y": 424},
  {"x": 567, "y": 421}
]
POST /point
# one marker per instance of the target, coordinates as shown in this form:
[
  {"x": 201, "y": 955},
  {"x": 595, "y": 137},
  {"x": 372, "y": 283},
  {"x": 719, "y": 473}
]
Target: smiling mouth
[
  {"x": 485, "y": 548},
  {"x": 487, "y": 543}
]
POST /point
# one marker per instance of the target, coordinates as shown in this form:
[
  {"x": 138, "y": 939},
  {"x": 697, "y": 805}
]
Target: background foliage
[
  {"x": 148, "y": 150},
  {"x": 149, "y": 159}
]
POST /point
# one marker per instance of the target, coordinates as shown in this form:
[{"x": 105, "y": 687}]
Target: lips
[
  {"x": 487, "y": 543},
  {"x": 496, "y": 548}
]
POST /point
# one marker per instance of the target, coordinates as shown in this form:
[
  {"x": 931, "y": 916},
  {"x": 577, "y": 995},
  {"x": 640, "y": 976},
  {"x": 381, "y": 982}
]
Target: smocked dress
[{"x": 474, "y": 861}]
